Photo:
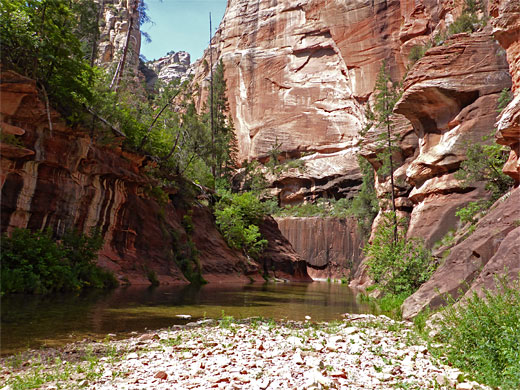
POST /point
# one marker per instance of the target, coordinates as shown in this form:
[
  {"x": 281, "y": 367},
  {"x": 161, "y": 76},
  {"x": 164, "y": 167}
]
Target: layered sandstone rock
[
  {"x": 63, "y": 180},
  {"x": 330, "y": 246},
  {"x": 297, "y": 75},
  {"x": 279, "y": 258},
  {"x": 173, "y": 66},
  {"x": 450, "y": 96},
  {"x": 506, "y": 28},
  {"x": 116, "y": 17},
  {"x": 492, "y": 250}
]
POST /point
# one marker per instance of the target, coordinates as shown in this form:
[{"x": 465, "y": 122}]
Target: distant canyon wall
[
  {"x": 331, "y": 247},
  {"x": 115, "y": 19}
]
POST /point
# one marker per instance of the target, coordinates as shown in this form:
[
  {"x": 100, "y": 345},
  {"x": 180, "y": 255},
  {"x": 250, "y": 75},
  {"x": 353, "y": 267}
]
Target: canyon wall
[
  {"x": 506, "y": 28},
  {"x": 297, "y": 77},
  {"x": 300, "y": 75},
  {"x": 331, "y": 247},
  {"x": 493, "y": 249},
  {"x": 450, "y": 97},
  {"x": 63, "y": 179}
]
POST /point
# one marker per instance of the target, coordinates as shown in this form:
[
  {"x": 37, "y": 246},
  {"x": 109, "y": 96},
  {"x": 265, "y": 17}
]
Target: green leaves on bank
[
  {"x": 397, "y": 266},
  {"x": 238, "y": 217},
  {"x": 482, "y": 336},
  {"x": 38, "y": 263}
]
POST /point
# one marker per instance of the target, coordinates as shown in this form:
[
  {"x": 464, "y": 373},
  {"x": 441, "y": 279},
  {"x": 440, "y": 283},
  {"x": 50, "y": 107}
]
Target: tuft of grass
[
  {"x": 389, "y": 304},
  {"x": 226, "y": 321}
]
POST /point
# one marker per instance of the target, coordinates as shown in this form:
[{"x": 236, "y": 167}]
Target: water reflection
[{"x": 32, "y": 321}]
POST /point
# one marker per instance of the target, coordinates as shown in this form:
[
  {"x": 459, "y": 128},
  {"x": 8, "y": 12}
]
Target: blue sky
[{"x": 180, "y": 25}]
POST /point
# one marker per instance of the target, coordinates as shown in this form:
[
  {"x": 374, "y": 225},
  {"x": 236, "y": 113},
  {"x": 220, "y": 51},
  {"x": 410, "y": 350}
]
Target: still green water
[{"x": 33, "y": 321}]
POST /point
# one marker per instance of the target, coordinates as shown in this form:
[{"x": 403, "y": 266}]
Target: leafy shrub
[
  {"x": 309, "y": 209},
  {"x": 238, "y": 217},
  {"x": 464, "y": 23},
  {"x": 417, "y": 52},
  {"x": 36, "y": 263},
  {"x": 397, "y": 267},
  {"x": 468, "y": 21},
  {"x": 482, "y": 336},
  {"x": 389, "y": 304},
  {"x": 10, "y": 139},
  {"x": 484, "y": 164},
  {"x": 472, "y": 210},
  {"x": 504, "y": 99},
  {"x": 41, "y": 40},
  {"x": 151, "y": 275}
]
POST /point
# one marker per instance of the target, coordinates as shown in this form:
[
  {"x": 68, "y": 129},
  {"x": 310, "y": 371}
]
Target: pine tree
[
  {"x": 225, "y": 145},
  {"x": 386, "y": 96}
]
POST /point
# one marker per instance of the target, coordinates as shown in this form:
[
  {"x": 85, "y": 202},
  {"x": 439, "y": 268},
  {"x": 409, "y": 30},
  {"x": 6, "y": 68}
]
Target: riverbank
[{"x": 361, "y": 351}]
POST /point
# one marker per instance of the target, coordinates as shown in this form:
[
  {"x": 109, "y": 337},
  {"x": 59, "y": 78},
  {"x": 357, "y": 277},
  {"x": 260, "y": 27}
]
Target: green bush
[
  {"x": 465, "y": 23},
  {"x": 482, "y": 336},
  {"x": 36, "y": 263},
  {"x": 309, "y": 209},
  {"x": 468, "y": 21},
  {"x": 397, "y": 267},
  {"x": 44, "y": 41},
  {"x": 470, "y": 212},
  {"x": 504, "y": 99},
  {"x": 417, "y": 52},
  {"x": 389, "y": 304},
  {"x": 238, "y": 217},
  {"x": 484, "y": 163}
]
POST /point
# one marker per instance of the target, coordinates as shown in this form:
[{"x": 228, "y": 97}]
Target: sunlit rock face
[
  {"x": 298, "y": 74},
  {"x": 63, "y": 179},
  {"x": 114, "y": 24},
  {"x": 173, "y": 66},
  {"x": 494, "y": 247},
  {"x": 492, "y": 250},
  {"x": 506, "y": 28}
]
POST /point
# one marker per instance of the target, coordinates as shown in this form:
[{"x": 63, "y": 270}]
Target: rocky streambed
[{"x": 359, "y": 352}]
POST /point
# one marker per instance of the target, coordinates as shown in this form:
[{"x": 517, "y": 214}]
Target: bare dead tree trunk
[
  {"x": 121, "y": 65},
  {"x": 213, "y": 156}
]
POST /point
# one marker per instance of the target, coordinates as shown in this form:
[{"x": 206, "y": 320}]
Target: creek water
[{"x": 34, "y": 321}]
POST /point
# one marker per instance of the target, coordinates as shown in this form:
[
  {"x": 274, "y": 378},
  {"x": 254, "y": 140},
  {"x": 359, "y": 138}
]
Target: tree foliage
[
  {"x": 238, "y": 217},
  {"x": 38, "y": 263},
  {"x": 397, "y": 266},
  {"x": 224, "y": 150},
  {"x": 386, "y": 96},
  {"x": 365, "y": 206},
  {"x": 46, "y": 40},
  {"x": 484, "y": 163}
]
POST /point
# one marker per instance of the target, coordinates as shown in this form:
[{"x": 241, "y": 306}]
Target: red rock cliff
[
  {"x": 506, "y": 28},
  {"x": 62, "y": 180},
  {"x": 330, "y": 246}
]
